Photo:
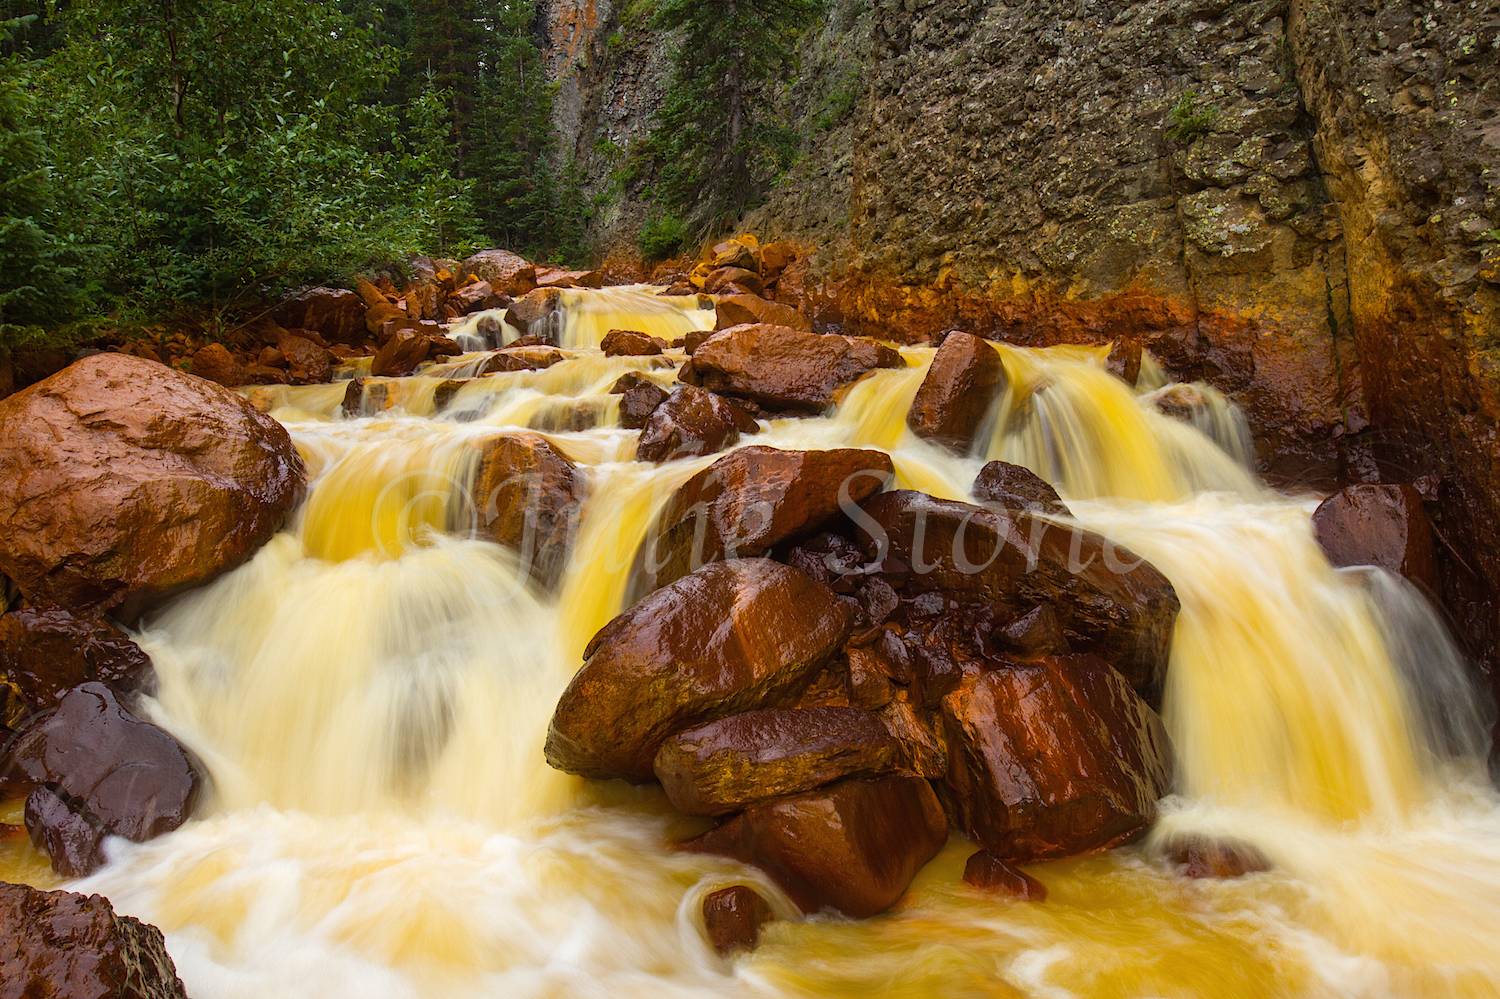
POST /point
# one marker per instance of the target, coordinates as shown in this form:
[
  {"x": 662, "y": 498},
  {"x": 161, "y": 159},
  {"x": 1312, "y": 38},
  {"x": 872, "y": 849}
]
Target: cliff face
[{"x": 1292, "y": 199}]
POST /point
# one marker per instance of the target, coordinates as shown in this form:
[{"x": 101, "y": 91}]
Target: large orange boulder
[
  {"x": 1053, "y": 758},
  {"x": 965, "y": 377},
  {"x": 784, "y": 368},
  {"x": 123, "y": 481},
  {"x": 526, "y": 497},
  {"x": 63, "y": 945},
  {"x": 755, "y": 498},
  {"x": 1380, "y": 525},
  {"x": 505, "y": 271},
  {"x": 739, "y": 310},
  {"x": 1106, "y": 600},
  {"x": 745, "y": 759},
  {"x": 731, "y": 637},
  {"x": 854, "y": 846},
  {"x": 336, "y": 314}
]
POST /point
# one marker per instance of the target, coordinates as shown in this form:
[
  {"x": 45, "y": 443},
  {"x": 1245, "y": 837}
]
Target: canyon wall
[{"x": 1292, "y": 199}]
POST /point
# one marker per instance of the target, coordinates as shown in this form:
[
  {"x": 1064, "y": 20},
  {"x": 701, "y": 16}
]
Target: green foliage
[
  {"x": 840, "y": 100},
  {"x": 447, "y": 219},
  {"x": 1188, "y": 120},
  {"x": 662, "y": 235},
  {"x": 716, "y": 144},
  {"x": 38, "y": 267}
]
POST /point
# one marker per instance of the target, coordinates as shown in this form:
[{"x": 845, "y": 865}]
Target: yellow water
[{"x": 371, "y": 690}]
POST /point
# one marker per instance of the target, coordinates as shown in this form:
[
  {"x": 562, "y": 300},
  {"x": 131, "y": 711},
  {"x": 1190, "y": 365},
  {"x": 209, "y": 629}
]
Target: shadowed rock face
[
  {"x": 731, "y": 637},
  {"x": 1106, "y": 600},
  {"x": 854, "y": 846},
  {"x": 130, "y": 775},
  {"x": 338, "y": 315},
  {"x": 123, "y": 481},
  {"x": 63, "y": 945},
  {"x": 965, "y": 376},
  {"x": 783, "y": 368},
  {"x": 755, "y": 498},
  {"x": 1383, "y": 526},
  {"x": 1054, "y": 758},
  {"x": 748, "y": 758}
]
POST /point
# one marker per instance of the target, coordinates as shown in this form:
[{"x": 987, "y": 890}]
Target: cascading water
[{"x": 370, "y": 693}]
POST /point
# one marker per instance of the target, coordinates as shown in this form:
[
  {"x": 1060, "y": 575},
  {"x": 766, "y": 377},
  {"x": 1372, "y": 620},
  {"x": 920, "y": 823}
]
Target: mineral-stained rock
[
  {"x": 1053, "y": 758},
  {"x": 755, "y": 498},
  {"x": 527, "y": 496},
  {"x": 734, "y": 253},
  {"x": 62, "y": 945},
  {"x": 1107, "y": 601},
  {"x": 503, "y": 270},
  {"x": 401, "y": 354},
  {"x": 557, "y": 277},
  {"x": 690, "y": 422},
  {"x": 309, "y": 363},
  {"x": 130, "y": 774},
  {"x": 629, "y": 343},
  {"x": 985, "y": 870},
  {"x": 722, "y": 277},
  {"x": 869, "y": 683},
  {"x": 1203, "y": 857},
  {"x": 379, "y": 310},
  {"x": 641, "y": 397},
  {"x": 748, "y": 758},
  {"x": 1124, "y": 360},
  {"x": 337, "y": 315},
  {"x": 1381, "y": 525},
  {"x": 854, "y": 846},
  {"x": 1035, "y": 633},
  {"x": 965, "y": 376},
  {"x": 471, "y": 297},
  {"x": 123, "y": 481},
  {"x": 67, "y": 832},
  {"x": 215, "y": 363},
  {"x": 521, "y": 359},
  {"x": 773, "y": 259},
  {"x": 1016, "y": 488},
  {"x": 732, "y": 637},
  {"x": 45, "y": 653},
  {"x": 784, "y": 368},
  {"x": 733, "y": 917},
  {"x": 924, "y": 750},
  {"x": 535, "y": 306}
]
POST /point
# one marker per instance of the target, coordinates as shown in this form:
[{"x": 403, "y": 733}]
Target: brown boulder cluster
[
  {"x": 837, "y": 674},
  {"x": 122, "y": 483}
]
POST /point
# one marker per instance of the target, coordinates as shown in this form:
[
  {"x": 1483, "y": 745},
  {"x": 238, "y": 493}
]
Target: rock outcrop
[{"x": 123, "y": 481}]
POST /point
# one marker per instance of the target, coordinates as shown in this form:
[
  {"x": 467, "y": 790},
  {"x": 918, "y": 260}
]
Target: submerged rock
[
  {"x": 1203, "y": 857},
  {"x": 987, "y": 871},
  {"x": 783, "y": 368},
  {"x": 854, "y": 846},
  {"x": 63, "y": 945},
  {"x": 755, "y": 498},
  {"x": 105, "y": 762},
  {"x": 748, "y": 758},
  {"x": 1380, "y": 525},
  {"x": 1106, "y": 600},
  {"x": 46, "y": 653},
  {"x": 965, "y": 376},
  {"x": 1053, "y": 758},
  {"x": 731, "y": 637},
  {"x": 688, "y": 423},
  {"x": 123, "y": 481},
  {"x": 733, "y": 917}
]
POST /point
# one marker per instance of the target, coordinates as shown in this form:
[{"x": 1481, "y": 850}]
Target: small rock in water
[
  {"x": 733, "y": 917},
  {"x": 1124, "y": 360},
  {"x": 985, "y": 870},
  {"x": 1016, "y": 488},
  {"x": 46, "y": 653},
  {"x": 630, "y": 343},
  {"x": 690, "y": 422},
  {"x": 1380, "y": 525},
  {"x": 66, "y": 831},
  {"x": 965, "y": 376},
  {"x": 1201, "y": 857},
  {"x": 641, "y": 397},
  {"x": 63, "y": 945}
]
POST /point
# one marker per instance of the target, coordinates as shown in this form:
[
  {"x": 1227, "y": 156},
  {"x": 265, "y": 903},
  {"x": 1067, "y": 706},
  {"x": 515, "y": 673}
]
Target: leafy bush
[{"x": 662, "y": 235}]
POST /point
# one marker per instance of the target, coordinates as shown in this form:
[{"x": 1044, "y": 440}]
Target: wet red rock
[
  {"x": 1016, "y": 488},
  {"x": 756, "y": 498},
  {"x": 129, "y": 774},
  {"x": 640, "y": 395},
  {"x": 1053, "y": 758},
  {"x": 965, "y": 377},
  {"x": 308, "y": 363},
  {"x": 526, "y": 497},
  {"x": 987, "y": 871},
  {"x": 1204, "y": 857},
  {"x": 629, "y": 343},
  {"x": 784, "y": 368},
  {"x": 62, "y": 945},
  {"x": 123, "y": 481},
  {"x": 748, "y": 758},
  {"x": 1106, "y": 599},
  {"x": 45, "y": 653},
  {"x": 689, "y": 422},
  {"x": 215, "y": 363},
  {"x": 401, "y": 354},
  {"x": 731, "y": 637},
  {"x": 854, "y": 846},
  {"x": 1380, "y": 525},
  {"x": 505, "y": 271},
  {"x": 733, "y": 917},
  {"x": 337, "y": 315}
]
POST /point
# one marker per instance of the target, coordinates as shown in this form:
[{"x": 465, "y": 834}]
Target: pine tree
[
  {"x": 445, "y": 37},
  {"x": 715, "y": 138}
]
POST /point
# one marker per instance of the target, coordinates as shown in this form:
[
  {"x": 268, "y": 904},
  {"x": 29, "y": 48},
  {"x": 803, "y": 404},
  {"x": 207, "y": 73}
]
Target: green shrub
[
  {"x": 662, "y": 235},
  {"x": 1188, "y": 120}
]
